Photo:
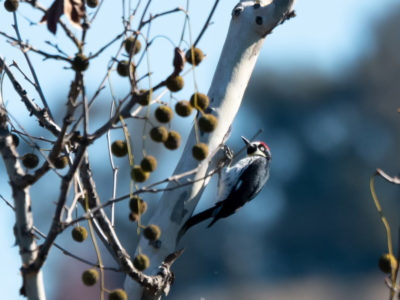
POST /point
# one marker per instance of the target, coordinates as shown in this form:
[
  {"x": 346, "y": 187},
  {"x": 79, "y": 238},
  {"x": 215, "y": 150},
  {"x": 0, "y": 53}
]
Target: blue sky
[{"x": 327, "y": 36}]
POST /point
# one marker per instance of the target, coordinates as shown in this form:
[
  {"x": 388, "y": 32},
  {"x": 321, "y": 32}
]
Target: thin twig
[
  {"x": 27, "y": 47},
  {"x": 153, "y": 17},
  {"x": 106, "y": 46},
  {"x": 394, "y": 180},
  {"x": 31, "y": 68},
  {"x": 207, "y": 23},
  {"x": 41, "y": 115},
  {"x": 62, "y": 249}
]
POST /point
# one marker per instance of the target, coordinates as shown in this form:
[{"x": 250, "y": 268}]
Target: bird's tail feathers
[{"x": 198, "y": 218}]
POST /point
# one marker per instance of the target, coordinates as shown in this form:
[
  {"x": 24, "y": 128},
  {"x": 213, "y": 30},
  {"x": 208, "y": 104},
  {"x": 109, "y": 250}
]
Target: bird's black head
[{"x": 257, "y": 148}]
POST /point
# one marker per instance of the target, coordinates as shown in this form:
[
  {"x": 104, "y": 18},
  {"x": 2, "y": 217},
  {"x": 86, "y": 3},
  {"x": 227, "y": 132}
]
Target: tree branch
[{"x": 33, "y": 286}]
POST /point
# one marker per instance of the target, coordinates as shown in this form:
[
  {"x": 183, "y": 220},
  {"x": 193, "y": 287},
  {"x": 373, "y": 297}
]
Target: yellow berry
[
  {"x": 141, "y": 262},
  {"x": 118, "y": 294},
  {"x": 137, "y": 205},
  {"x": 90, "y": 277},
  {"x": 200, "y": 151},
  {"x": 387, "y": 263},
  {"x": 173, "y": 140},
  {"x": 149, "y": 163},
  {"x": 144, "y": 98},
  {"x": 174, "y": 83},
  {"x": 159, "y": 134},
  {"x": 61, "y": 162},
  {"x": 130, "y": 43},
  {"x": 152, "y": 232},
  {"x": 123, "y": 68},
  {"x": 199, "y": 101},
  {"x": 207, "y": 123},
  {"x": 138, "y": 175},
  {"x": 183, "y": 108},
  {"x": 119, "y": 148},
  {"x": 163, "y": 114},
  {"x": 198, "y": 56},
  {"x": 79, "y": 234}
]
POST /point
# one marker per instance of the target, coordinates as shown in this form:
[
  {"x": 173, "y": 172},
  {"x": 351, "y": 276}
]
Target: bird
[{"x": 238, "y": 184}]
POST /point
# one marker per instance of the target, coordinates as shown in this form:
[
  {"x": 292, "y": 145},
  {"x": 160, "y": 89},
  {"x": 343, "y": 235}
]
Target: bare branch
[
  {"x": 32, "y": 69},
  {"x": 153, "y": 17},
  {"x": 207, "y": 23},
  {"x": 394, "y": 180},
  {"x": 42, "y": 115},
  {"x": 33, "y": 285}
]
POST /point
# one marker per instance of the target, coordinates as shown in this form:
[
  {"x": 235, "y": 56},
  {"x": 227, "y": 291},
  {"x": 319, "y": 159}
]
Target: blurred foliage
[{"x": 342, "y": 129}]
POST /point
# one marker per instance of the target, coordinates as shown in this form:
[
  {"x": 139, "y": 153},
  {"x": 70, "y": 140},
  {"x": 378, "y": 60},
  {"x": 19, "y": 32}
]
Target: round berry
[
  {"x": 199, "y": 101},
  {"x": 30, "y": 160},
  {"x": 118, "y": 294},
  {"x": 207, "y": 123},
  {"x": 183, "y": 108},
  {"x": 90, "y": 277},
  {"x": 138, "y": 175},
  {"x": 174, "y": 83},
  {"x": 132, "y": 45},
  {"x": 152, "y": 232},
  {"x": 61, "y": 162},
  {"x": 198, "y": 56},
  {"x": 200, "y": 151},
  {"x": 141, "y": 262},
  {"x": 173, "y": 140},
  {"x": 79, "y": 234},
  {"x": 163, "y": 114},
  {"x": 387, "y": 263},
  {"x": 137, "y": 205},
  {"x": 119, "y": 148},
  {"x": 149, "y": 163},
  {"x": 80, "y": 63},
  {"x": 123, "y": 68},
  {"x": 11, "y": 5},
  {"x": 144, "y": 97},
  {"x": 159, "y": 134}
]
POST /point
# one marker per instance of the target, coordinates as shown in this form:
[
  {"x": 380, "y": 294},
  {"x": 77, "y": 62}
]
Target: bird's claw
[{"x": 228, "y": 154}]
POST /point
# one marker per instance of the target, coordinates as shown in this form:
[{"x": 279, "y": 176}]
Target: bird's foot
[{"x": 228, "y": 155}]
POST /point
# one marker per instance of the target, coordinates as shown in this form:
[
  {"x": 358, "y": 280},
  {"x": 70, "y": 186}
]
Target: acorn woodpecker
[{"x": 238, "y": 184}]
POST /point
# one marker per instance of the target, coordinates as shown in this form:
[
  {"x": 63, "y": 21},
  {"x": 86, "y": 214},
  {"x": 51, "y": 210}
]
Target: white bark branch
[
  {"x": 32, "y": 286},
  {"x": 251, "y": 22}
]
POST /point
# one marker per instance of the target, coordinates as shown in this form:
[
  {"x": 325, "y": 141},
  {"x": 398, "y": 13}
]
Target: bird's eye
[
  {"x": 262, "y": 148},
  {"x": 237, "y": 10}
]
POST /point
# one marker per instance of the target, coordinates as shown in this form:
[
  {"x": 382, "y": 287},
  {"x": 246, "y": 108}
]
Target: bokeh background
[{"x": 325, "y": 92}]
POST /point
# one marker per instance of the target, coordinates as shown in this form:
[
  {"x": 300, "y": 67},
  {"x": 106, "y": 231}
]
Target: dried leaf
[
  {"x": 73, "y": 9},
  {"x": 179, "y": 61},
  {"x": 53, "y": 14}
]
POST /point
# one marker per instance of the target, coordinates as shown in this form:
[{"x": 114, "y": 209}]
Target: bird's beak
[{"x": 246, "y": 141}]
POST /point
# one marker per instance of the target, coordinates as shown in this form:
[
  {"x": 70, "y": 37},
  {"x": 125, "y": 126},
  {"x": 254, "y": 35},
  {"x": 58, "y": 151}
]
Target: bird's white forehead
[{"x": 251, "y": 3}]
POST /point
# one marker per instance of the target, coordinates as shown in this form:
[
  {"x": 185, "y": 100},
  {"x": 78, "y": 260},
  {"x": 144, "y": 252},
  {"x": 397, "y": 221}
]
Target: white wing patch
[{"x": 230, "y": 176}]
